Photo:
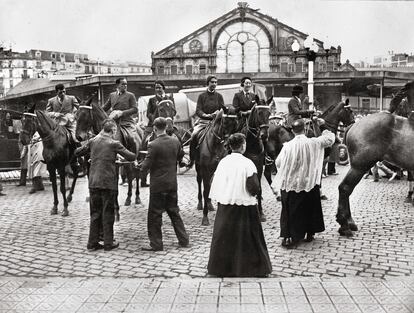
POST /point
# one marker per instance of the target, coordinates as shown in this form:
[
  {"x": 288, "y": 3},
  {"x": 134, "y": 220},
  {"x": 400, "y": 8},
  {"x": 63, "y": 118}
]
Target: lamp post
[{"x": 311, "y": 49}]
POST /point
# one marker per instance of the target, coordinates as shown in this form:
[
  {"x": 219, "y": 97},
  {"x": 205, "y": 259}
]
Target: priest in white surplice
[{"x": 299, "y": 172}]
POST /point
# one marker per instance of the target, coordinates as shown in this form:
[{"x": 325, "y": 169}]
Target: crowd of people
[{"x": 238, "y": 246}]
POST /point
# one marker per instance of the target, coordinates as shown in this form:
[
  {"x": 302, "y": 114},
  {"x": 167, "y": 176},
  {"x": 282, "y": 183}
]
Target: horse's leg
[
  {"x": 75, "y": 171},
  {"x": 137, "y": 197},
  {"x": 208, "y": 206},
  {"x": 52, "y": 177},
  {"x": 62, "y": 176},
  {"x": 343, "y": 216},
  {"x": 199, "y": 181},
  {"x": 130, "y": 179}
]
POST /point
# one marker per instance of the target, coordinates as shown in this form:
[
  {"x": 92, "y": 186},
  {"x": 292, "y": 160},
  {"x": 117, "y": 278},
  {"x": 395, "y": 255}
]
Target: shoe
[
  {"x": 323, "y": 197},
  {"x": 309, "y": 237},
  {"x": 32, "y": 191},
  {"x": 111, "y": 247},
  {"x": 335, "y": 173},
  {"x": 94, "y": 247},
  {"x": 392, "y": 176},
  {"x": 149, "y": 248},
  {"x": 20, "y": 185},
  {"x": 2, "y": 194},
  {"x": 285, "y": 242},
  {"x": 187, "y": 245},
  {"x": 375, "y": 180},
  {"x": 144, "y": 184}
]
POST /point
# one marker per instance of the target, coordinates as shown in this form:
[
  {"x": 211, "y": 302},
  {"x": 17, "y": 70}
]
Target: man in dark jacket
[
  {"x": 103, "y": 184},
  {"x": 161, "y": 161},
  {"x": 208, "y": 104},
  {"x": 295, "y": 106}
]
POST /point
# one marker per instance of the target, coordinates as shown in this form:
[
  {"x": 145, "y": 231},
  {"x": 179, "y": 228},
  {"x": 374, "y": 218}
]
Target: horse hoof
[
  {"x": 279, "y": 198},
  {"x": 205, "y": 221},
  {"x": 263, "y": 218},
  {"x": 345, "y": 232},
  {"x": 408, "y": 200},
  {"x": 69, "y": 198},
  {"x": 127, "y": 202},
  {"x": 117, "y": 217},
  {"x": 65, "y": 212},
  {"x": 353, "y": 226},
  {"x": 138, "y": 201},
  {"x": 211, "y": 208},
  {"x": 199, "y": 207},
  {"x": 54, "y": 211}
]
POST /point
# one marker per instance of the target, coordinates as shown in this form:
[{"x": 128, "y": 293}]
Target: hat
[
  {"x": 297, "y": 88},
  {"x": 160, "y": 82},
  {"x": 244, "y": 79}
]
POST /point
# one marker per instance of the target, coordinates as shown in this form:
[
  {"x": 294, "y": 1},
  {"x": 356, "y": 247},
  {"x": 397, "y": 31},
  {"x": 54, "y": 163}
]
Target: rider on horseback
[
  {"x": 208, "y": 104},
  {"x": 153, "y": 102},
  {"x": 62, "y": 109},
  {"x": 123, "y": 105},
  {"x": 295, "y": 106}
]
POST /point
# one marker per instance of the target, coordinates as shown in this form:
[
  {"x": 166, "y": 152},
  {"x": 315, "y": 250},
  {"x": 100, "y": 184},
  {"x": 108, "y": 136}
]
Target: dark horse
[
  {"x": 256, "y": 131},
  {"x": 90, "y": 118},
  {"x": 377, "y": 137},
  {"x": 278, "y": 134},
  {"x": 58, "y": 152},
  {"x": 210, "y": 152}
]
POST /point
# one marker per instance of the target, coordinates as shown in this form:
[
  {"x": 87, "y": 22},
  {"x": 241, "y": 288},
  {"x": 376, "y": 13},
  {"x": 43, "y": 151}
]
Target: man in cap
[
  {"x": 295, "y": 106},
  {"x": 208, "y": 105},
  {"x": 161, "y": 161}
]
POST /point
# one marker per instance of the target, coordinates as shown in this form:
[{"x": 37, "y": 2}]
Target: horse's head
[
  {"x": 259, "y": 117},
  {"x": 85, "y": 119},
  {"x": 226, "y": 122},
  {"x": 29, "y": 126},
  {"x": 336, "y": 113},
  {"x": 166, "y": 109}
]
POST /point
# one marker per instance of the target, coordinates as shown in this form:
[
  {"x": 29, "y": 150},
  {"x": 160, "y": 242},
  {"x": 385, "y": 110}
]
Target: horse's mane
[
  {"x": 100, "y": 111},
  {"x": 328, "y": 110},
  {"x": 45, "y": 118}
]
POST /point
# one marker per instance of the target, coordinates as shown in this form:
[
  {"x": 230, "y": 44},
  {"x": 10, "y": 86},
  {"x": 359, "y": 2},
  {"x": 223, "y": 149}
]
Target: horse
[
  {"x": 211, "y": 150},
  {"x": 279, "y": 134},
  {"x": 376, "y": 137},
  {"x": 256, "y": 131},
  {"x": 90, "y": 119},
  {"x": 58, "y": 152}
]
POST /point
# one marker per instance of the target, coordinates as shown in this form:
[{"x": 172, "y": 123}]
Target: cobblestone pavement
[{"x": 44, "y": 263}]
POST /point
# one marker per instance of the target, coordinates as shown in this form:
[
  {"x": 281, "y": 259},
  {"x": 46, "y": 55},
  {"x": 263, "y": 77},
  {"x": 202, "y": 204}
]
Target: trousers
[
  {"x": 102, "y": 211},
  {"x": 158, "y": 203}
]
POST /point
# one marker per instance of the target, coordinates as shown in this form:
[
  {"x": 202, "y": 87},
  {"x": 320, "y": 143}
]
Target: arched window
[{"x": 243, "y": 46}]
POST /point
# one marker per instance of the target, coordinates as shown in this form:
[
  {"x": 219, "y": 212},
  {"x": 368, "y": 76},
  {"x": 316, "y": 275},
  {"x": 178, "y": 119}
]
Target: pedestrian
[
  {"x": 299, "y": 168},
  {"x": 24, "y": 157},
  {"x": 238, "y": 247},
  {"x": 103, "y": 184},
  {"x": 161, "y": 162},
  {"x": 1, "y": 189},
  {"x": 36, "y": 168},
  {"x": 208, "y": 105}
]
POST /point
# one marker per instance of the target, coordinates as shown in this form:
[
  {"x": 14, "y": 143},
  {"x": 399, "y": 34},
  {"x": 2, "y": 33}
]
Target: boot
[
  {"x": 23, "y": 176},
  {"x": 37, "y": 184},
  {"x": 193, "y": 147}
]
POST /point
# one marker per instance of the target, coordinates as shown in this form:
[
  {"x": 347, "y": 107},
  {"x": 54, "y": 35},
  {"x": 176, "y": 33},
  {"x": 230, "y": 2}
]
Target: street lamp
[{"x": 311, "y": 48}]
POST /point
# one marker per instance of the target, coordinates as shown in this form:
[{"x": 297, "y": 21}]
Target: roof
[
  {"x": 227, "y": 16},
  {"x": 31, "y": 85}
]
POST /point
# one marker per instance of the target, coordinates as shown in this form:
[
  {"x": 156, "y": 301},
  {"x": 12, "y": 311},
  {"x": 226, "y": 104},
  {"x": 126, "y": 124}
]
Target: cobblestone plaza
[{"x": 44, "y": 264}]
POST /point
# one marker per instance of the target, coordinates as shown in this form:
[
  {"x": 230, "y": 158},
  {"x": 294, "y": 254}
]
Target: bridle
[
  {"x": 219, "y": 135},
  {"x": 255, "y": 130},
  {"x": 87, "y": 107}
]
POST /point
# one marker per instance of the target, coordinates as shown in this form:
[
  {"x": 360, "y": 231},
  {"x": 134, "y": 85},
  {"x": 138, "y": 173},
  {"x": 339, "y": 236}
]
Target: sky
[{"x": 128, "y": 30}]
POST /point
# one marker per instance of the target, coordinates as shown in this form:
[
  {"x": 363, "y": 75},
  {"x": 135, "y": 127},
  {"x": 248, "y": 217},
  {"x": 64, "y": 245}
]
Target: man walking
[
  {"x": 161, "y": 161},
  {"x": 103, "y": 184}
]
